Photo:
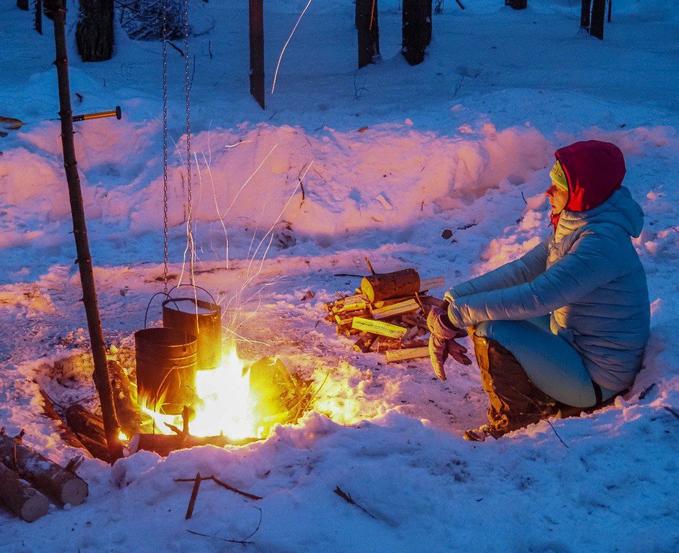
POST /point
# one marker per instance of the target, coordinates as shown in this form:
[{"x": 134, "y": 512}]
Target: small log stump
[{"x": 24, "y": 501}]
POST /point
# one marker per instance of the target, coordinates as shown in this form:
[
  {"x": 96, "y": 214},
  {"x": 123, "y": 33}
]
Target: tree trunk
[
  {"x": 598, "y": 16},
  {"x": 38, "y": 16},
  {"x": 100, "y": 375},
  {"x": 24, "y": 501},
  {"x": 416, "y": 29},
  {"x": 94, "y": 32},
  {"x": 368, "y": 32},
  {"x": 585, "y": 9},
  {"x": 257, "y": 51},
  {"x": 47, "y": 476},
  {"x": 517, "y": 4}
]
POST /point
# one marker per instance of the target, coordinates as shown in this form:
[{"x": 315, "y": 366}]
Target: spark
[{"x": 280, "y": 57}]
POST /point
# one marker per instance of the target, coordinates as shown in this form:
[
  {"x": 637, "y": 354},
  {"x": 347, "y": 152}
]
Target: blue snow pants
[{"x": 551, "y": 363}]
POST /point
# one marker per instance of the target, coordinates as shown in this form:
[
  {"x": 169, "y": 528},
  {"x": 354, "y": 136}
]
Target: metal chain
[
  {"x": 166, "y": 254},
  {"x": 187, "y": 95}
]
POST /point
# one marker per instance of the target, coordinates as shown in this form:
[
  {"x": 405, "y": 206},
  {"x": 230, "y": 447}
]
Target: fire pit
[{"x": 233, "y": 404}]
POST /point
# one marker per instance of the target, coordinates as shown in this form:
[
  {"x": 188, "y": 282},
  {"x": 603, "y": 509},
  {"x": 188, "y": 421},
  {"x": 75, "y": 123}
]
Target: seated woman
[{"x": 567, "y": 323}]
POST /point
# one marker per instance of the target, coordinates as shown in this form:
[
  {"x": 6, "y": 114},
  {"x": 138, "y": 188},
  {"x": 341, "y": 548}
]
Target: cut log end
[
  {"x": 74, "y": 492},
  {"x": 35, "y": 507}
]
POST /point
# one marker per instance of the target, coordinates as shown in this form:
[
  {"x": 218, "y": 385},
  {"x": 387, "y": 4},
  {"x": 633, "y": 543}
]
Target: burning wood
[{"x": 388, "y": 314}]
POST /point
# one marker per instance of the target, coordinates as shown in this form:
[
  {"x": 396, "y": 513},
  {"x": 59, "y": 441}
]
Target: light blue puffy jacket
[{"x": 588, "y": 276}]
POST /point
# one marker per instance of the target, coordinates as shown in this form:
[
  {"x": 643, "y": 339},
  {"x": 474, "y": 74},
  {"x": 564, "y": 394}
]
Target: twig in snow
[
  {"x": 194, "y": 495},
  {"x": 524, "y": 198},
  {"x": 347, "y": 275},
  {"x": 74, "y": 463},
  {"x": 557, "y": 434},
  {"x": 643, "y": 394},
  {"x": 670, "y": 410},
  {"x": 242, "y": 542},
  {"x": 301, "y": 184},
  {"x": 344, "y": 495},
  {"x": 465, "y": 227},
  {"x": 223, "y": 485},
  {"x": 370, "y": 266},
  {"x": 181, "y": 52},
  {"x": 233, "y": 489},
  {"x": 460, "y": 4}
]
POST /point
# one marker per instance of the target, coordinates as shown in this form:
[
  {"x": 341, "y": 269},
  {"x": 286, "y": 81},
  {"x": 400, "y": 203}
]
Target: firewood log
[
  {"x": 47, "y": 476},
  {"x": 378, "y": 327},
  {"x": 400, "y": 308},
  {"x": 396, "y": 355},
  {"x": 389, "y": 285},
  {"x": 24, "y": 501},
  {"x": 164, "y": 444},
  {"x": 90, "y": 430}
]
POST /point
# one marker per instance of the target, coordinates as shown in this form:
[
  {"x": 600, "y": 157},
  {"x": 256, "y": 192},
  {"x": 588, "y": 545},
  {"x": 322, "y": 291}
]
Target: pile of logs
[
  {"x": 27, "y": 479},
  {"x": 387, "y": 314}
]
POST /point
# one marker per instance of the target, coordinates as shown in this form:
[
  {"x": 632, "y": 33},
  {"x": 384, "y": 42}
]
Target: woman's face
[{"x": 558, "y": 198}]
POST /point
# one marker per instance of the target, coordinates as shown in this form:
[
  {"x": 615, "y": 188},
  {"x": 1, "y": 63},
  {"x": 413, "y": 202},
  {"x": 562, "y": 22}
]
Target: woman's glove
[
  {"x": 454, "y": 315},
  {"x": 442, "y": 341}
]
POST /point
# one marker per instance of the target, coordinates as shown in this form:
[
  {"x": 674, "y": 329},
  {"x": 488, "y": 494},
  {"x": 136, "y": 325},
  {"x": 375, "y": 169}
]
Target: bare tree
[
  {"x": 94, "y": 31},
  {"x": 368, "y": 32}
]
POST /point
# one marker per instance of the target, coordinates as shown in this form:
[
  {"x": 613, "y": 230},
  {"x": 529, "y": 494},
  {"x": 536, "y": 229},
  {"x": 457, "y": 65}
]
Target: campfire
[{"x": 234, "y": 400}]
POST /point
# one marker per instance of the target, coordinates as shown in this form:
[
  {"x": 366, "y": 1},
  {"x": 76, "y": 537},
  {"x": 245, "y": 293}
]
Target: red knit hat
[{"x": 594, "y": 170}]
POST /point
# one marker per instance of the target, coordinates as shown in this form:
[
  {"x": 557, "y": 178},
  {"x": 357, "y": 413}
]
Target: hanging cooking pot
[{"x": 197, "y": 317}]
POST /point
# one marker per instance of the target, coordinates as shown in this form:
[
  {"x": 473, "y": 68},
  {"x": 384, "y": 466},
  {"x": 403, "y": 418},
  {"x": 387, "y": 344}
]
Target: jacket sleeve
[
  {"x": 521, "y": 270},
  {"x": 590, "y": 263}
]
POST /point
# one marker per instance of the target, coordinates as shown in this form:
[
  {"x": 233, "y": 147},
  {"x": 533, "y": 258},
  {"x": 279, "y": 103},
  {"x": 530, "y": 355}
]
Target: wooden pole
[
  {"x": 100, "y": 376},
  {"x": 257, "y": 51}
]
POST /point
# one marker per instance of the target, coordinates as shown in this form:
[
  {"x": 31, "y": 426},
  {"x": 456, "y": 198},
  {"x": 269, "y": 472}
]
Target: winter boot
[{"x": 515, "y": 401}]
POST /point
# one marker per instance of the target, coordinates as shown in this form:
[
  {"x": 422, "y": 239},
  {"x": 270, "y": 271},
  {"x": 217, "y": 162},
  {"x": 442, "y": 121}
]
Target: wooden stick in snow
[
  {"x": 24, "y": 501},
  {"x": 194, "y": 495},
  {"x": 47, "y": 476}
]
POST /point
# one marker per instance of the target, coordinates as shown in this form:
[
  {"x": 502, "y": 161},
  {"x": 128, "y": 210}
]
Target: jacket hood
[
  {"x": 620, "y": 210},
  {"x": 594, "y": 170}
]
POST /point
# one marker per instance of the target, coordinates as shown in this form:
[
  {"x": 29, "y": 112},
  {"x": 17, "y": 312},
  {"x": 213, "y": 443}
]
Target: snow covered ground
[{"x": 390, "y": 157}]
